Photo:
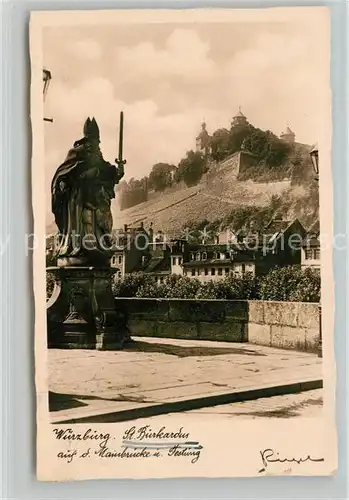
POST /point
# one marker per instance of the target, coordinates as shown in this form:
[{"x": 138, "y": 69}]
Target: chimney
[{"x": 125, "y": 228}]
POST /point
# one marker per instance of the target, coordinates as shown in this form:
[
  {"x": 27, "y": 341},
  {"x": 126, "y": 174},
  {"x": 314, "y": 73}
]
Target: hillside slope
[{"x": 215, "y": 198}]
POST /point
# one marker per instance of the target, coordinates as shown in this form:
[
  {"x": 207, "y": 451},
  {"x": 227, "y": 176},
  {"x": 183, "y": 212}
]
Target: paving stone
[{"x": 173, "y": 369}]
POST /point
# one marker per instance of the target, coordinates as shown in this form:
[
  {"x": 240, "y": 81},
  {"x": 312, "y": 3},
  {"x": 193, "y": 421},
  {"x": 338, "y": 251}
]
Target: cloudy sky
[{"x": 168, "y": 77}]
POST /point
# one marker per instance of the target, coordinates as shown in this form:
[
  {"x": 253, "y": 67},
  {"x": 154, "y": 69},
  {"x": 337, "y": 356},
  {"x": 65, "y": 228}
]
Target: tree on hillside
[
  {"x": 256, "y": 143},
  {"x": 237, "y": 135},
  {"x": 267, "y": 147},
  {"x": 219, "y": 144},
  {"x": 226, "y": 142},
  {"x": 278, "y": 150},
  {"x": 191, "y": 168},
  {"x": 133, "y": 192},
  {"x": 161, "y": 176}
]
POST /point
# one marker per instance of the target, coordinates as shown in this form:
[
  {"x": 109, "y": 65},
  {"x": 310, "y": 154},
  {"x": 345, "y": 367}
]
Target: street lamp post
[
  {"x": 314, "y": 155},
  {"x": 47, "y": 77}
]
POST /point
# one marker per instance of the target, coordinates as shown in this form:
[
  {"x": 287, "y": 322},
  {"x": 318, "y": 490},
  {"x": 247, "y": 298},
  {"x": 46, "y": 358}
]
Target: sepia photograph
[{"x": 182, "y": 272}]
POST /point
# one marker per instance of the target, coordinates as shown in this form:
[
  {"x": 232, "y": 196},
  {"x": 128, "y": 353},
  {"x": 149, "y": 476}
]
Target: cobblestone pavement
[
  {"x": 305, "y": 404},
  {"x": 158, "y": 371}
]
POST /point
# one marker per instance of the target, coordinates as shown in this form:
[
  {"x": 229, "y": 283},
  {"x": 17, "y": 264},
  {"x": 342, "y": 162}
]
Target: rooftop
[
  {"x": 288, "y": 131},
  {"x": 239, "y": 114},
  {"x": 314, "y": 229}
]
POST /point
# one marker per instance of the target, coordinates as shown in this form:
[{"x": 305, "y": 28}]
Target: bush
[
  {"x": 129, "y": 285},
  {"x": 241, "y": 287},
  {"x": 173, "y": 287},
  {"x": 308, "y": 288},
  {"x": 283, "y": 284},
  {"x": 291, "y": 283},
  {"x": 212, "y": 290},
  {"x": 182, "y": 287}
]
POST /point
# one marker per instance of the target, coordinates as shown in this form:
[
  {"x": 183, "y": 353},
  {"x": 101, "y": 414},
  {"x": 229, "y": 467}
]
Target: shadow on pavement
[
  {"x": 186, "y": 351},
  {"x": 294, "y": 410},
  {"x": 59, "y": 402}
]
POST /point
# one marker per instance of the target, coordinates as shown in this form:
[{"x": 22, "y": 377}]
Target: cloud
[
  {"x": 167, "y": 84},
  {"x": 185, "y": 55},
  {"x": 274, "y": 80},
  {"x": 87, "y": 48}
]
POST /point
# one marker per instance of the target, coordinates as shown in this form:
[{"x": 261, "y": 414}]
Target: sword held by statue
[{"x": 120, "y": 160}]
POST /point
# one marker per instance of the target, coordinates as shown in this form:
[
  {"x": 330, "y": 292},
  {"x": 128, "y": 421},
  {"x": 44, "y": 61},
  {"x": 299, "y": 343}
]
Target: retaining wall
[{"x": 288, "y": 325}]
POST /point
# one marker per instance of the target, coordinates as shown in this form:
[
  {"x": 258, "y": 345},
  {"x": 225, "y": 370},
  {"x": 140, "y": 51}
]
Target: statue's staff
[{"x": 120, "y": 160}]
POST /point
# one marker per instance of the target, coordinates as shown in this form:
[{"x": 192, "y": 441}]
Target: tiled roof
[
  {"x": 214, "y": 247},
  {"x": 153, "y": 264},
  {"x": 219, "y": 262},
  {"x": 276, "y": 226},
  {"x": 315, "y": 228}
]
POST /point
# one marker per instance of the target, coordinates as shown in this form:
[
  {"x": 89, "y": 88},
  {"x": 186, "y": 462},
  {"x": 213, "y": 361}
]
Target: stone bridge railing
[{"x": 289, "y": 325}]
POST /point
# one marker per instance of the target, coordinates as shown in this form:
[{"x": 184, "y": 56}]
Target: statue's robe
[
  {"x": 82, "y": 190},
  {"x": 67, "y": 201}
]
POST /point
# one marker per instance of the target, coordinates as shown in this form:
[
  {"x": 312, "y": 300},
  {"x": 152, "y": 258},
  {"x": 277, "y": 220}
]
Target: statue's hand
[{"x": 120, "y": 168}]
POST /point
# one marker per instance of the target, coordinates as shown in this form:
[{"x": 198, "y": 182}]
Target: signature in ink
[{"x": 269, "y": 456}]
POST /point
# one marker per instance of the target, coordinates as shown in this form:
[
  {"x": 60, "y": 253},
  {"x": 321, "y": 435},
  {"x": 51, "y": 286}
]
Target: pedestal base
[{"x": 81, "y": 312}]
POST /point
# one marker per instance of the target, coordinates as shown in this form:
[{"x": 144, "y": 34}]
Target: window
[
  {"x": 243, "y": 268},
  {"x": 120, "y": 259},
  {"x": 180, "y": 261},
  {"x": 119, "y": 274},
  {"x": 317, "y": 254},
  {"x": 199, "y": 272},
  {"x": 206, "y": 271},
  {"x": 192, "y": 256},
  {"x": 215, "y": 256},
  {"x": 227, "y": 271},
  {"x": 220, "y": 271},
  {"x": 308, "y": 254},
  {"x": 213, "y": 271},
  {"x": 204, "y": 255},
  {"x": 198, "y": 256},
  {"x": 193, "y": 272},
  {"x": 113, "y": 260},
  {"x": 174, "y": 261}
]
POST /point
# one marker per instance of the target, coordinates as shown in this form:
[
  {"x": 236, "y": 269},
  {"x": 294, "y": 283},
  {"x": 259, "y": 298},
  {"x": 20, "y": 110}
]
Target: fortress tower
[
  {"x": 203, "y": 140},
  {"x": 288, "y": 136},
  {"x": 239, "y": 119}
]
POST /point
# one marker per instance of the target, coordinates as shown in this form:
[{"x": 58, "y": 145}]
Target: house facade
[
  {"x": 280, "y": 244},
  {"x": 213, "y": 262},
  {"x": 311, "y": 247},
  {"x": 129, "y": 248}
]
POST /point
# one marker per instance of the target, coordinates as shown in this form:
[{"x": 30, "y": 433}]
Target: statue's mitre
[{"x": 91, "y": 129}]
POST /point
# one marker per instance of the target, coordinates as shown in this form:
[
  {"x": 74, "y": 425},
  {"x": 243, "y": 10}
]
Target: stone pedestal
[{"x": 81, "y": 311}]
